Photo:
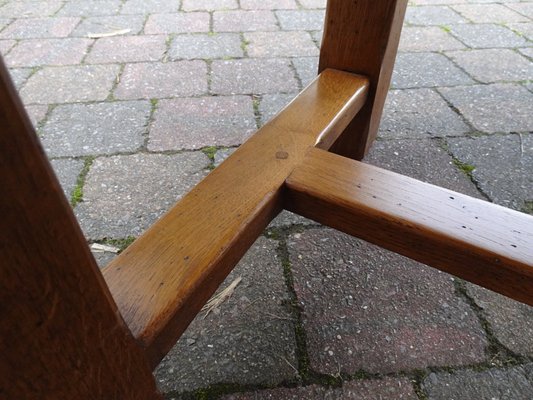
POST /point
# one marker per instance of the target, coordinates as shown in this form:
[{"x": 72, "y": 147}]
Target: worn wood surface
[
  {"x": 481, "y": 242},
  {"x": 163, "y": 279},
  {"x": 362, "y": 36},
  {"x": 61, "y": 336}
]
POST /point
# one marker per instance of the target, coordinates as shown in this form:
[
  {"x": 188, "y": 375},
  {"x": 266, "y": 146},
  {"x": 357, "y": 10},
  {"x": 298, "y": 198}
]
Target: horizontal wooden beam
[
  {"x": 163, "y": 279},
  {"x": 481, "y": 242}
]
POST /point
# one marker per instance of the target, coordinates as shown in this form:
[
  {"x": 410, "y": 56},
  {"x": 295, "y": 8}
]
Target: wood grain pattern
[
  {"x": 163, "y": 279},
  {"x": 61, "y": 336},
  {"x": 481, "y": 242},
  {"x": 362, "y": 36}
]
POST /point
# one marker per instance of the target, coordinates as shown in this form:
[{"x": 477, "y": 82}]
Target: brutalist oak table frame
[{"x": 70, "y": 331}]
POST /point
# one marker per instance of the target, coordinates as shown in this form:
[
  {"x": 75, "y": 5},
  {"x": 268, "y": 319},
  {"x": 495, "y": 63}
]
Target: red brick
[
  {"x": 127, "y": 49},
  {"x": 177, "y": 23},
  {"x": 159, "y": 80},
  {"x": 193, "y": 123},
  {"x": 367, "y": 308},
  {"x": 37, "y": 52}
]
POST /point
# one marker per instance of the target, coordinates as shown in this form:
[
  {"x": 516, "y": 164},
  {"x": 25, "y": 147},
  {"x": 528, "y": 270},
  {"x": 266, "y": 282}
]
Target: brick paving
[{"x": 132, "y": 121}]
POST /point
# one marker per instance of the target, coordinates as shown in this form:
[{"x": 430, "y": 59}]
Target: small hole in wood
[{"x": 282, "y": 155}]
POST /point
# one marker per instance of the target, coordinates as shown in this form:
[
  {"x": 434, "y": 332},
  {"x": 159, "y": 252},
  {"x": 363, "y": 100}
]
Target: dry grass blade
[
  {"x": 108, "y": 34},
  {"x": 103, "y": 248},
  {"x": 221, "y": 297}
]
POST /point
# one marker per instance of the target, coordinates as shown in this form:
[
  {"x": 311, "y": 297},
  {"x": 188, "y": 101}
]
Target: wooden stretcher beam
[
  {"x": 481, "y": 242},
  {"x": 164, "y": 278}
]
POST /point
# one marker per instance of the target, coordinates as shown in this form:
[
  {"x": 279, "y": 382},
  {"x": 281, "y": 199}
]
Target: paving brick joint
[{"x": 135, "y": 101}]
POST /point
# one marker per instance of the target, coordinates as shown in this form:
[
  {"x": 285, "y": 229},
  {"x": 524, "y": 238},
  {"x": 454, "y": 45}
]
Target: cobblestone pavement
[{"x": 132, "y": 121}]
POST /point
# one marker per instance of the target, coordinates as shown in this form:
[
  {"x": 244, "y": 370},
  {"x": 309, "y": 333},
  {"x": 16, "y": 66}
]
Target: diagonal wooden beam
[
  {"x": 481, "y": 242},
  {"x": 163, "y": 279}
]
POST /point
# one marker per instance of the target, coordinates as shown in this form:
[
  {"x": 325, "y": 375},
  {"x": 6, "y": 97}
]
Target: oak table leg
[
  {"x": 61, "y": 335},
  {"x": 362, "y": 36}
]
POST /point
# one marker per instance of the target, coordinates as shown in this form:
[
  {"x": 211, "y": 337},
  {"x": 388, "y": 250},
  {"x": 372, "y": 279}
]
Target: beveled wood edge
[
  {"x": 162, "y": 280},
  {"x": 484, "y": 243}
]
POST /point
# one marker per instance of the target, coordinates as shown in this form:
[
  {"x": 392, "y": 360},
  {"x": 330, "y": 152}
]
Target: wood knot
[{"x": 282, "y": 155}]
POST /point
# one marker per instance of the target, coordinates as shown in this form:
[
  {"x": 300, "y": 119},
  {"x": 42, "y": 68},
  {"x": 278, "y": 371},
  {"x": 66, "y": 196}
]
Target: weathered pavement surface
[{"x": 132, "y": 121}]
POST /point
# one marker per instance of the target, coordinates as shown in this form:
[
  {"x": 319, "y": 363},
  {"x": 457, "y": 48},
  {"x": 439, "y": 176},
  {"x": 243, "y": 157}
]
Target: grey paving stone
[
  {"x": 510, "y": 383},
  {"x": 503, "y": 165},
  {"x": 244, "y": 21},
  {"x": 385, "y": 389},
  {"x": 280, "y": 44},
  {"x": 442, "y": 2},
  {"x": 317, "y": 37},
  {"x": 37, "y": 113},
  {"x": 301, "y": 20},
  {"x": 30, "y": 28},
  {"x": 191, "y": 22},
  {"x": 432, "y": 15},
  {"x": 209, "y": 5},
  {"x": 94, "y": 129},
  {"x": 4, "y": 22},
  {"x": 523, "y": 28},
  {"x": 156, "y": 80},
  {"x": 271, "y": 104},
  {"x": 418, "y": 113},
  {"x": 208, "y": 46},
  {"x": 123, "y": 49},
  {"x": 527, "y": 51},
  {"x": 84, "y": 8},
  {"x": 426, "y": 70},
  {"x": 67, "y": 171},
  {"x": 526, "y": 9},
  {"x": 221, "y": 155},
  {"x": 70, "y": 84},
  {"x": 109, "y": 24},
  {"x": 268, "y": 4},
  {"x": 493, "y": 65},
  {"x": 287, "y": 218},
  {"x": 37, "y": 52},
  {"x": 149, "y": 6},
  {"x": 102, "y": 259},
  {"x": 123, "y": 195},
  {"x": 366, "y": 308},
  {"x": 29, "y": 9},
  {"x": 249, "y": 339},
  {"x": 313, "y": 3},
  {"x": 511, "y": 322},
  {"x": 493, "y": 108},
  {"x": 19, "y": 76},
  {"x": 482, "y": 36},
  {"x": 422, "y": 159},
  {"x": 306, "y": 68},
  {"x": 427, "y": 38},
  {"x": 6, "y": 45},
  {"x": 488, "y": 13},
  {"x": 252, "y": 76},
  {"x": 193, "y": 123}
]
